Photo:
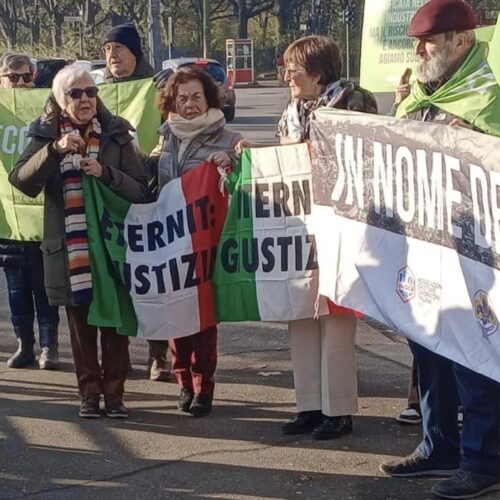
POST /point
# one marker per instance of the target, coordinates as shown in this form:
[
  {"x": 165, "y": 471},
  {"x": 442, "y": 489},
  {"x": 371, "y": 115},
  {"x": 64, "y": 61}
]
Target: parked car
[
  {"x": 46, "y": 69},
  {"x": 216, "y": 71},
  {"x": 95, "y": 68}
]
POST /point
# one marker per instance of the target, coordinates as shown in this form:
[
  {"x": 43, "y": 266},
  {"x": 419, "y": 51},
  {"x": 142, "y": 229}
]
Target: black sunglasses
[
  {"x": 15, "y": 77},
  {"x": 76, "y": 93}
]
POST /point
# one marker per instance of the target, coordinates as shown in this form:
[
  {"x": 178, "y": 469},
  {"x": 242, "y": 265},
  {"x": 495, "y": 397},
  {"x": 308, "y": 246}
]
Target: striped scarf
[{"x": 76, "y": 235}]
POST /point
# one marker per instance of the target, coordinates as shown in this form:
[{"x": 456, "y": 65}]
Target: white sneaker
[{"x": 411, "y": 416}]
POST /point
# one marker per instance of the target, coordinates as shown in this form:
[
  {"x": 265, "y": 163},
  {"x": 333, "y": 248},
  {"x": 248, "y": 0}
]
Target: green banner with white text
[
  {"x": 21, "y": 217},
  {"x": 386, "y": 50}
]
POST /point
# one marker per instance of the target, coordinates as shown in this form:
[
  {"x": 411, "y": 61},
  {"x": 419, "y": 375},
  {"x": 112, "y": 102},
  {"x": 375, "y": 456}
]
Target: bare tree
[
  {"x": 245, "y": 10},
  {"x": 55, "y": 11},
  {"x": 9, "y": 22}
]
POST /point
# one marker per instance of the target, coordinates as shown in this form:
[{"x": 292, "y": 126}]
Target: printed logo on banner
[
  {"x": 486, "y": 317},
  {"x": 406, "y": 284},
  {"x": 428, "y": 291}
]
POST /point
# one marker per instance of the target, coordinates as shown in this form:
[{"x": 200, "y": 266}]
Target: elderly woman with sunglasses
[
  {"x": 77, "y": 136},
  {"x": 23, "y": 265}
]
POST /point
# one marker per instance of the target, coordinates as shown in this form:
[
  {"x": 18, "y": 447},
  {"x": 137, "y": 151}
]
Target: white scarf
[{"x": 185, "y": 130}]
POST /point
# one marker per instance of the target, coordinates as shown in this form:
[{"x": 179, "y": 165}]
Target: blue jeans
[
  {"x": 442, "y": 384},
  {"x": 26, "y": 294}
]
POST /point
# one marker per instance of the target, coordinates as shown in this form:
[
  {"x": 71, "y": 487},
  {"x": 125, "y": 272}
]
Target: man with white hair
[{"x": 455, "y": 86}]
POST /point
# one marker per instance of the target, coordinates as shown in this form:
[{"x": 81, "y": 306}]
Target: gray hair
[
  {"x": 64, "y": 79},
  {"x": 470, "y": 36},
  {"x": 10, "y": 61}
]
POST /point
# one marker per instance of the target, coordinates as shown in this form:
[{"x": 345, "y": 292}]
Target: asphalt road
[
  {"x": 47, "y": 452},
  {"x": 258, "y": 111}
]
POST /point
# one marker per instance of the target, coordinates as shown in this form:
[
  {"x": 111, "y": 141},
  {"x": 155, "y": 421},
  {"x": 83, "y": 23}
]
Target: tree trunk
[{"x": 242, "y": 19}]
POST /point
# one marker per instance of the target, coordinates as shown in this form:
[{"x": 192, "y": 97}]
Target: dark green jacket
[{"x": 38, "y": 169}]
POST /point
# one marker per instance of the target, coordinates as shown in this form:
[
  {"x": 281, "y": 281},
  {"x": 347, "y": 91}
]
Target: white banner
[{"x": 414, "y": 213}]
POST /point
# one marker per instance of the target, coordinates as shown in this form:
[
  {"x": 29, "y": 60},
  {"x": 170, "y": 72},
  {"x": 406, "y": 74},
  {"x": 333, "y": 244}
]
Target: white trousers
[{"x": 324, "y": 364}]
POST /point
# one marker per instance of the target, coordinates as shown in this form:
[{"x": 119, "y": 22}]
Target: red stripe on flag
[
  {"x": 209, "y": 219},
  {"x": 336, "y": 310}
]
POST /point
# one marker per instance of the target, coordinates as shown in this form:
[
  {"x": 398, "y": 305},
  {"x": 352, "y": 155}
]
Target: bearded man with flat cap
[{"x": 455, "y": 86}]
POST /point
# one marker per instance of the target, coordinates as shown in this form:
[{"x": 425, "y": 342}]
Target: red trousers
[
  {"x": 91, "y": 376},
  {"x": 194, "y": 360}
]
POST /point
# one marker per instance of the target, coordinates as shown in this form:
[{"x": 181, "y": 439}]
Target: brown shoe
[
  {"x": 89, "y": 407},
  {"x": 158, "y": 369},
  {"x": 114, "y": 406}
]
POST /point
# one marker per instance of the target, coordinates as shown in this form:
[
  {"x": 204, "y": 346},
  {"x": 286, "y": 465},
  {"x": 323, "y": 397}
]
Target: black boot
[
  {"x": 49, "y": 358},
  {"x": 304, "y": 422},
  {"x": 185, "y": 399},
  {"x": 201, "y": 405},
  {"x": 24, "y": 356},
  {"x": 333, "y": 427}
]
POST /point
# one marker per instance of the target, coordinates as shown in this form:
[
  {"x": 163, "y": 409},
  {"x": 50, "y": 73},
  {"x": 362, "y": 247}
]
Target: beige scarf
[{"x": 185, "y": 130}]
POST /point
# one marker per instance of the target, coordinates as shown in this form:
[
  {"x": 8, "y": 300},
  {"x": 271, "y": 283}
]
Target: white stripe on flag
[
  {"x": 280, "y": 291},
  {"x": 178, "y": 315}
]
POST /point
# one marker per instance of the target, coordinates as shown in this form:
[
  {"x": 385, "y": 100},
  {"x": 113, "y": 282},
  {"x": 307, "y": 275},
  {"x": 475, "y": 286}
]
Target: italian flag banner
[
  {"x": 21, "y": 217},
  {"x": 152, "y": 263},
  {"x": 266, "y": 268}
]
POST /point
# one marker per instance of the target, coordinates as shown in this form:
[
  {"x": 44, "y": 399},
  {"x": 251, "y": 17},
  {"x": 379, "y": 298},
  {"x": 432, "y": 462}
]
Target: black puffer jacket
[{"x": 18, "y": 253}]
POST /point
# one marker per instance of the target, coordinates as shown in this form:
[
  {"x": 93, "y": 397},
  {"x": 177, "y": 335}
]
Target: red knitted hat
[{"x": 440, "y": 16}]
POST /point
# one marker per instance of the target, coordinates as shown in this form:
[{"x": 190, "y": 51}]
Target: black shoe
[
  {"x": 333, "y": 427},
  {"x": 114, "y": 406},
  {"x": 201, "y": 405},
  {"x": 185, "y": 399},
  {"x": 415, "y": 465},
  {"x": 304, "y": 422},
  {"x": 466, "y": 484},
  {"x": 23, "y": 357},
  {"x": 89, "y": 408}
]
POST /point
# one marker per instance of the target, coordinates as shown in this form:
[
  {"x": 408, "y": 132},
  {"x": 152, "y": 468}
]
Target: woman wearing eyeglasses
[
  {"x": 23, "y": 265},
  {"x": 75, "y": 124},
  {"x": 323, "y": 358}
]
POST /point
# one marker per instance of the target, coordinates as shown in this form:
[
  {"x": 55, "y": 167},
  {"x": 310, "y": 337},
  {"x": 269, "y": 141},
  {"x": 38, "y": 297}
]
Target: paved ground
[{"x": 237, "y": 452}]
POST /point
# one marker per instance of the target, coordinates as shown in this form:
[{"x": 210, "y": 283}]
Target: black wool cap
[{"x": 127, "y": 35}]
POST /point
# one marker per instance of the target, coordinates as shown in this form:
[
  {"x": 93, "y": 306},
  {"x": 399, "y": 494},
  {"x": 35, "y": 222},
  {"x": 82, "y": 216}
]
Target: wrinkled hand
[
  {"x": 458, "y": 122},
  {"x": 69, "y": 143},
  {"x": 91, "y": 167},
  {"x": 404, "y": 88},
  {"x": 242, "y": 145},
  {"x": 221, "y": 159}
]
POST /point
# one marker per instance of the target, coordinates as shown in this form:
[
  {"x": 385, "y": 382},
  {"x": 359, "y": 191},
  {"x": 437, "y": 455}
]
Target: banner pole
[{"x": 347, "y": 59}]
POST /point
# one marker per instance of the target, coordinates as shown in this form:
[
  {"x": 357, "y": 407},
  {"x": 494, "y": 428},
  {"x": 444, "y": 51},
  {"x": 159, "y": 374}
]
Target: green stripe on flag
[
  {"x": 105, "y": 212},
  {"x": 235, "y": 289}
]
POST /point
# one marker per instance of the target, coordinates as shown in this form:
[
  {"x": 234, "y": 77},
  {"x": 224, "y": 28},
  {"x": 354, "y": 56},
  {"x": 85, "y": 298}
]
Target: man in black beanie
[{"x": 125, "y": 60}]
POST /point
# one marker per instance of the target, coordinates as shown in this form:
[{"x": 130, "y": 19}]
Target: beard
[{"x": 435, "y": 67}]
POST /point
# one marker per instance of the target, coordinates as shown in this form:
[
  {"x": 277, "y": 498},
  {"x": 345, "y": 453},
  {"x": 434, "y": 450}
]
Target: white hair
[{"x": 64, "y": 79}]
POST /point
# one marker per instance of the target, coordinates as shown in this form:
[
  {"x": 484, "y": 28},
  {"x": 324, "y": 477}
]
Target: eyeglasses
[
  {"x": 15, "y": 77},
  {"x": 76, "y": 93},
  {"x": 293, "y": 71}
]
